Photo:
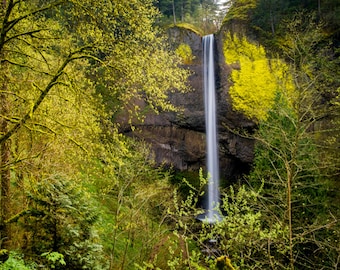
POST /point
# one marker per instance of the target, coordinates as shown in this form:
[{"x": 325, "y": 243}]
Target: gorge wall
[{"x": 178, "y": 139}]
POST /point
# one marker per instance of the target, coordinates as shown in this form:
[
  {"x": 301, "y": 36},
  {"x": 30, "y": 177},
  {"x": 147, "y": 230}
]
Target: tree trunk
[
  {"x": 173, "y": 11},
  {"x": 272, "y": 23},
  {"x": 5, "y": 193},
  {"x": 5, "y": 174}
]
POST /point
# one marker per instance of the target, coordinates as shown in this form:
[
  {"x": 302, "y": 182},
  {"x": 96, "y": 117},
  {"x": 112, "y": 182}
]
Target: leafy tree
[
  {"x": 239, "y": 9},
  {"x": 32, "y": 72},
  {"x": 291, "y": 142},
  {"x": 289, "y": 162},
  {"x": 184, "y": 51},
  {"x": 133, "y": 194},
  {"x": 268, "y": 19},
  {"x": 181, "y": 9},
  {"x": 295, "y": 192},
  {"x": 58, "y": 59},
  {"x": 243, "y": 237},
  {"x": 315, "y": 63}
]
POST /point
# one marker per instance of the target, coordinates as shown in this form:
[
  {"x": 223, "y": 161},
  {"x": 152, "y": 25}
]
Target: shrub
[
  {"x": 60, "y": 221},
  {"x": 185, "y": 53}
]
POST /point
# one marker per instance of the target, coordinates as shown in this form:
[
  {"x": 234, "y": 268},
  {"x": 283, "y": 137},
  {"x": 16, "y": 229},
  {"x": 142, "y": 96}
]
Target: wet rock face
[{"x": 178, "y": 139}]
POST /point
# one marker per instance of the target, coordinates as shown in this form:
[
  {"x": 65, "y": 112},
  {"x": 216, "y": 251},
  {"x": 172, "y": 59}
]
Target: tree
[
  {"x": 293, "y": 165},
  {"x": 53, "y": 54},
  {"x": 240, "y": 10},
  {"x": 204, "y": 14},
  {"x": 268, "y": 15},
  {"x": 288, "y": 158},
  {"x": 134, "y": 194},
  {"x": 27, "y": 62},
  {"x": 4, "y": 165}
]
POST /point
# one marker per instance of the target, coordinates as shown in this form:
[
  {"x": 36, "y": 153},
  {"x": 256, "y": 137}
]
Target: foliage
[
  {"x": 133, "y": 194},
  {"x": 255, "y": 232},
  {"x": 256, "y": 80},
  {"x": 244, "y": 233},
  {"x": 239, "y": 9},
  {"x": 95, "y": 200},
  {"x": 15, "y": 261},
  {"x": 315, "y": 68},
  {"x": 59, "y": 225},
  {"x": 184, "y": 51},
  {"x": 268, "y": 19},
  {"x": 294, "y": 192},
  {"x": 267, "y": 23},
  {"x": 288, "y": 160},
  {"x": 205, "y": 15},
  {"x": 183, "y": 8},
  {"x": 66, "y": 68},
  {"x": 188, "y": 26},
  {"x": 292, "y": 213},
  {"x": 244, "y": 236},
  {"x": 54, "y": 259}
]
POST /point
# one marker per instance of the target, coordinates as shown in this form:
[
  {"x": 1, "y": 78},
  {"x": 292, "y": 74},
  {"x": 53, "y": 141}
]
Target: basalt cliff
[{"x": 178, "y": 139}]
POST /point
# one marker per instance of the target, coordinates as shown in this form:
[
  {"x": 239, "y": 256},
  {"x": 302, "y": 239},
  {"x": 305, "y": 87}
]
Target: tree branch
[
  {"x": 54, "y": 81},
  {"x": 24, "y": 66},
  {"x": 12, "y": 23},
  {"x": 30, "y": 33}
]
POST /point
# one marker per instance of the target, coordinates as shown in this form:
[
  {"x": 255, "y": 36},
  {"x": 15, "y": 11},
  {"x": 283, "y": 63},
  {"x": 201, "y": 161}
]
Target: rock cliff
[{"x": 178, "y": 139}]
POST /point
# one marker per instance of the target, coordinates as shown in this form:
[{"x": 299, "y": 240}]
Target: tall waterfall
[{"x": 212, "y": 194}]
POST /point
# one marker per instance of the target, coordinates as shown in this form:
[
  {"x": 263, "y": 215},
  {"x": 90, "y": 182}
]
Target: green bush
[
  {"x": 60, "y": 222},
  {"x": 185, "y": 53},
  {"x": 16, "y": 262},
  {"x": 243, "y": 235}
]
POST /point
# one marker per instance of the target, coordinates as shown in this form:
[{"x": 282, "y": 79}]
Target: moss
[
  {"x": 257, "y": 80},
  {"x": 187, "y": 26}
]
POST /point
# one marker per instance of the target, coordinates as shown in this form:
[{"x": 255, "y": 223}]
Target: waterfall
[{"x": 212, "y": 195}]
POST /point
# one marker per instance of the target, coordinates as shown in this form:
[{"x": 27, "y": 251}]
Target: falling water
[{"x": 212, "y": 196}]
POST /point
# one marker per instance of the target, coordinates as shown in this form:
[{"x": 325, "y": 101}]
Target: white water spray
[{"x": 212, "y": 195}]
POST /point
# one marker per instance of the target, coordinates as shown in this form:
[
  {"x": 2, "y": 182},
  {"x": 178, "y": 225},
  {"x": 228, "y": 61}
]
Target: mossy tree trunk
[
  {"x": 5, "y": 174},
  {"x": 5, "y": 145}
]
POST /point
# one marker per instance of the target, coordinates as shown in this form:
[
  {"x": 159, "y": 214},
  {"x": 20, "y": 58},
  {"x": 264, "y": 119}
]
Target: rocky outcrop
[{"x": 178, "y": 139}]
